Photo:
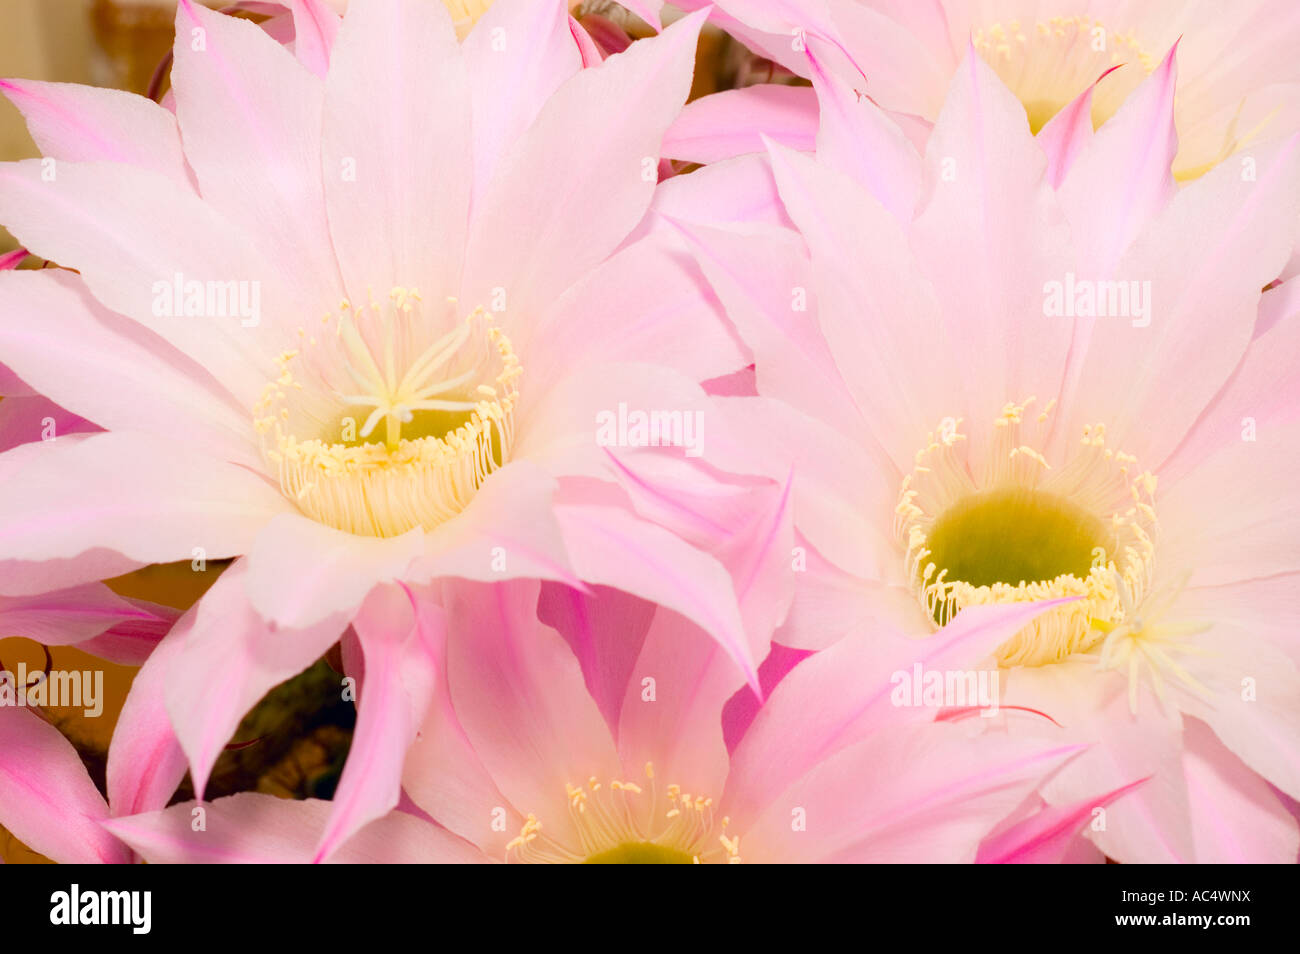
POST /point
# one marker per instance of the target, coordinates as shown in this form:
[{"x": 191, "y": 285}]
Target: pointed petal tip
[
  {"x": 1107, "y": 72},
  {"x": 692, "y": 23},
  {"x": 1170, "y": 63}
]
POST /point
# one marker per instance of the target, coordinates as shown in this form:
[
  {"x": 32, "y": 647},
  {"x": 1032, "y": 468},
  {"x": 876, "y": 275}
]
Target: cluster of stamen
[
  {"x": 1051, "y": 62},
  {"x": 1100, "y": 498},
  {"x": 332, "y": 422},
  {"x": 465, "y": 13},
  {"x": 1143, "y": 640},
  {"x": 623, "y": 823}
]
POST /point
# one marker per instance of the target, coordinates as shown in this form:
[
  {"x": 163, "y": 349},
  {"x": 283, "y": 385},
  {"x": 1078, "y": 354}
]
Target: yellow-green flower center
[
  {"x": 1015, "y": 535},
  {"x": 390, "y": 417},
  {"x": 1023, "y": 531},
  {"x": 640, "y": 853},
  {"x": 622, "y": 823}
]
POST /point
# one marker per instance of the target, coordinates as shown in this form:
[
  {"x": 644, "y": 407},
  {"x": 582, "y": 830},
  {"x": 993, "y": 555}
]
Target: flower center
[
  {"x": 623, "y": 824},
  {"x": 392, "y": 416},
  {"x": 465, "y": 13},
  {"x": 1023, "y": 531},
  {"x": 1051, "y": 62},
  {"x": 641, "y": 853},
  {"x": 1014, "y": 533}
]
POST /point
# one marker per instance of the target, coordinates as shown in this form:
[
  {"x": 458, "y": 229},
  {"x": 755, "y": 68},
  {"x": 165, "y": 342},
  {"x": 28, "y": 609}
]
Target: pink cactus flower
[
  {"x": 516, "y": 761},
  {"x": 1070, "y": 61},
  {"x": 352, "y": 322},
  {"x": 997, "y": 390}
]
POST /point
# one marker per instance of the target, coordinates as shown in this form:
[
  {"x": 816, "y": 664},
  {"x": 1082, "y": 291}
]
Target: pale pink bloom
[
  {"x": 436, "y": 298},
  {"x": 519, "y": 760},
  {"x": 1240, "y": 79},
  {"x": 957, "y": 428}
]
